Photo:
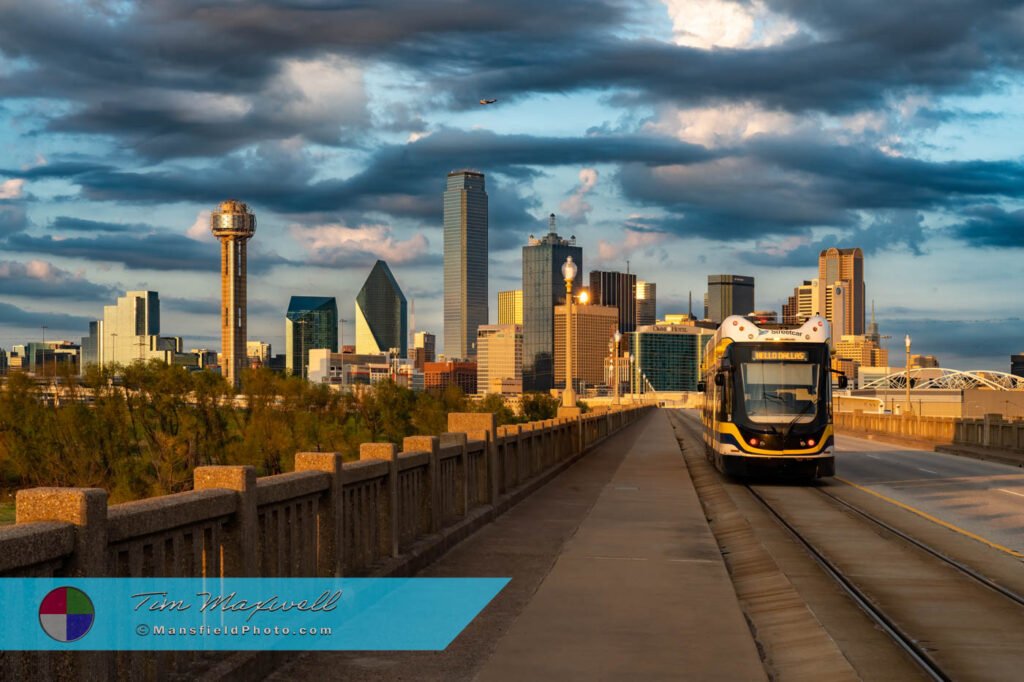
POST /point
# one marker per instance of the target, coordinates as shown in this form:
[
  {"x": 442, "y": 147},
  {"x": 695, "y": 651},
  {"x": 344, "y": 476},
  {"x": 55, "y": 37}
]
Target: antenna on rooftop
[{"x": 551, "y": 223}]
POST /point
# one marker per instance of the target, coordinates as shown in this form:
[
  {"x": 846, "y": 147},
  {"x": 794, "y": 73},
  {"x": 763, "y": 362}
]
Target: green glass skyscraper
[
  {"x": 382, "y": 318},
  {"x": 465, "y": 262},
  {"x": 311, "y": 322}
]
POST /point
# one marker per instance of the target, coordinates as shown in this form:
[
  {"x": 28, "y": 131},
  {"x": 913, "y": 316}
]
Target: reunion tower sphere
[{"x": 233, "y": 219}]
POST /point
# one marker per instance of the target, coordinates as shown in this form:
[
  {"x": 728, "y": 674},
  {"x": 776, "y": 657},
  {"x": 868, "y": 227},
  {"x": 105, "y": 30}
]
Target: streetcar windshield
[{"x": 780, "y": 391}]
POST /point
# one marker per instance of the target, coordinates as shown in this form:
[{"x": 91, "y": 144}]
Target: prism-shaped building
[{"x": 382, "y": 318}]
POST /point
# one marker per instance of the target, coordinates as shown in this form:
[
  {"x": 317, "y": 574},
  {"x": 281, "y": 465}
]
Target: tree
[
  {"x": 495, "y": 403},
  {"x": 537, "y": 406}
]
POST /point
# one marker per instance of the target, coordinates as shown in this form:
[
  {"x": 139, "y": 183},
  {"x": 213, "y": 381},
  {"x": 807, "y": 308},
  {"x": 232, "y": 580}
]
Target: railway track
[{"x": 952, "y": 621}]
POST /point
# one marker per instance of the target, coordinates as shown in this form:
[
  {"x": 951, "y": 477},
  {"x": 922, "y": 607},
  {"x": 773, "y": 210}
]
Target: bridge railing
[
  {"x": 992, "y": 431},
  {"x": 379, "y": 515}
]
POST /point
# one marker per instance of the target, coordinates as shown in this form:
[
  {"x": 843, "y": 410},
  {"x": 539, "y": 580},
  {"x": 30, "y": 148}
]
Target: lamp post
[
  {"x": 569, "y": 273},
  {"x": 341, "y": 325},
  {"x": 615, "y": 359},
  {"x": 910, "y": 408}
]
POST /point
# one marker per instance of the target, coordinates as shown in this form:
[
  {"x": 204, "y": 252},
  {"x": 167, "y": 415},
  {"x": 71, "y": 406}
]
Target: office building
[
  {"x": 845, "y": 266},
  {"x": 668, "y": 354},
  {"x": 437, "y": 376},
  {"x": 646, "y": 303},
  {"x": 90, "y": 353},
  {"x": 311, "y": 322},
  {"x": 382, "y": 317},
  {"x": 860, "y": 352},
  {"x": 465, "y": 262},
  {"x": 499, "y": 358},
  {"x": 593, "y": 327},
  {"x": 259, "y": 353},
  {"x": 130, "y": 332},
  {"x": 424, "y": 349},
  {"x": 233, "y": 224},
  {"x": 804, "y": 304},
  {"x": 729, "y": 295},
  {"x": 510, "y": 307},
  {"x": 1017, "y": 365},
  {"x": 618, "y": 290},
  {"x": 923, "y": 361},
  {"x": 543, "y": 289}
]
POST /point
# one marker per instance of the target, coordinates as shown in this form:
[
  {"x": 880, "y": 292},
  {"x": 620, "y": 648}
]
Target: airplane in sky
[{"x": 488, "y": 101}]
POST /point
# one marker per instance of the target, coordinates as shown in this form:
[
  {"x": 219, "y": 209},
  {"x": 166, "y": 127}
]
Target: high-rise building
[
  {"x": 382, "y": 317},
  {"x": 233, "y": 224},
  {"x": 543, "y": 289},
  {"x": 1017, "y": 365},
  {"x": 259, "y": 353},
  {"x": 803, "y": 304},
  {"x": 847, "y": 266},
  {"x": 424, "y": 349},
  {"x": 646, "y": 303},
  {"x": 311, "y": 322},
  {"x": 90, "y": 354},
  {"x": 862, "y": 351},
  {"x": 510, "y": 307},
  {"x": 592, "y": 329},
  {"x": 499, "y": 366},
  {"x": 618, "y": 290},
  {"x": 465, "y": 262},
  {"x": 130, "y": 331},
  {"x": 729, "y": 295},
  {"x": 668, "y": 354}
]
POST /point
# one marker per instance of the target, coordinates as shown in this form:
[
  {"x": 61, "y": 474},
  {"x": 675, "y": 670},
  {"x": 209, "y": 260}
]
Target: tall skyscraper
[
  {"x": 465, "y": 262},
  {"x": 543, "y": 289},
  {"x": 846, "y": 266},
  {"x": 311, "y": 322},
  {"x": 510, "y": 307},
  {"x": 803, "y": 304},
  {"x": 729, "y": 295},
  {"x": 499, "y": 366},
  {"x": 382, "y": 316},
  {"x": 616, "y": 289},
  {"x": 646, "y": 303},
  {"x": 233, "y": 224},
  {"x": 592, "y": 330}
]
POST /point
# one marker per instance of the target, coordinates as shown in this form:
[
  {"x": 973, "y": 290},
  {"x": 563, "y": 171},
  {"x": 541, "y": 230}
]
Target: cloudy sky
[{"x": 688, "y": 136}]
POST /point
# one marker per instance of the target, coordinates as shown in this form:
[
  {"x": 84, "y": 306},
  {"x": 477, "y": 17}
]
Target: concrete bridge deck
[{"x": 615, "y": 575}]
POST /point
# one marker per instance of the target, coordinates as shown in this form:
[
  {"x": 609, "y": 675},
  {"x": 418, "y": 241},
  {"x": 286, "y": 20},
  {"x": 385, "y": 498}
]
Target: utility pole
[
  {"x": 44, "y": 351},
  {"x": 341, "y": 324}
]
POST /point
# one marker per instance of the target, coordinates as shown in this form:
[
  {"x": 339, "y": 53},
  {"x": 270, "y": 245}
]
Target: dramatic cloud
[
  {"x": 11, "y": 189},
  {"x": 633, "y": 241},
  {"x": 68, "y": 224},
  {"x": 338, "y": 245},
  {"x": 60, "y": 323},
  {"x": 42, "y": 279},
  {"x": 576, "y": 207},
  {"x": 991, "y": 226}
]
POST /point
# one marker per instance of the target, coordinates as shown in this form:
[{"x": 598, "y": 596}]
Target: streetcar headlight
[
  {"x": 803, "y": 444},
  {"x": 754, "y": 442},
  {"x": 811, "y": 442}
]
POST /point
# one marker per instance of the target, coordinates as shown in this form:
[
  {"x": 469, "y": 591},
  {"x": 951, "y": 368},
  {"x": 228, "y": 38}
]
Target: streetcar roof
[{"x": 740, "y": 329}]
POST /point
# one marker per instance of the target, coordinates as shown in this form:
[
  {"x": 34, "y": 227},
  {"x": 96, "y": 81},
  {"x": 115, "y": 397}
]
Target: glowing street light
[
  {"x": 569, "y": 270},
  {"x": 615, "y": 379},
  {"x": 910, "y": 408}
]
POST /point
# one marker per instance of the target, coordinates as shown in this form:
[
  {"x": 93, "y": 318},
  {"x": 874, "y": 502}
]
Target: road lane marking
[
  {"x": 872, "y": 456},
  {"x": 928, "y": 470},
  {"x": 925, "y": 515},
  {"x": 1010, "y": 492}
]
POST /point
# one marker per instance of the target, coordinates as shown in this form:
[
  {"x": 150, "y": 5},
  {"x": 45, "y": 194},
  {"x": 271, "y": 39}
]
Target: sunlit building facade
[
  {"x": 510, "y": 307},
  {"x": 382, "y": 316},
  {"x": 593, "y": 327},
  {"x": 465, "y": 262},
  {"x": 499, "y": 358},
  {"x": 233, "y": 224},
  {"x": 310, "y": 323}
]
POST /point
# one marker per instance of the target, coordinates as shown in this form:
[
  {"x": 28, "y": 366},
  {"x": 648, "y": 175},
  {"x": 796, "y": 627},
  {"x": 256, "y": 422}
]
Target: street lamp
[
  {"x": 569, "y": 273},
  {"x": 910, "y": 408},
  {"x": 615, "y": 361}
]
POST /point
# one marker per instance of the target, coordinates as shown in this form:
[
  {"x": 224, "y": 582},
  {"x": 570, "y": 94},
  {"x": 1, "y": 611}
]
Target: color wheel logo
[{"x": 66, "y": 614}]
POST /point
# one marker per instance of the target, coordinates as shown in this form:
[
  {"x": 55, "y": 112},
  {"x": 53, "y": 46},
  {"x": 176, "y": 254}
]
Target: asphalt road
[{"x": 984, "y": 498}]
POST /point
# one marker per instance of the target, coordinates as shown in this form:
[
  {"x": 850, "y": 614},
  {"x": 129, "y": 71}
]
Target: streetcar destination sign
[{"x": 795, "y": 355}]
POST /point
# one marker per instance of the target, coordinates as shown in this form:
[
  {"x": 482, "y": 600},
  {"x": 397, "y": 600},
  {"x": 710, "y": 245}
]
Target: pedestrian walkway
[{"x": 614, "y": 576}]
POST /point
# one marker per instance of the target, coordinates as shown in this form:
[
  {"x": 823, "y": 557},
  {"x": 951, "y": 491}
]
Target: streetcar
[{"x": 768, "y": 399}]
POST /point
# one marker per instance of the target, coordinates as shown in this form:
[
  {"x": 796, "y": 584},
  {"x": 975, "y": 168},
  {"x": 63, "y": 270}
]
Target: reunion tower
[{"x": 233, "y": 224}]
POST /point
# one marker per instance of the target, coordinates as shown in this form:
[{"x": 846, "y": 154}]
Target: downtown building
[
  {"x": 617, "y": 290},
  {"x": 130, "y": 332},
  {"x": 382, "y": 316},
  {"x": 499, "y": 359},
  {"x": 668, "y": 354},
  {"x": 729, "y": 295},
  {"x": 841, "y": 274},
  {"x": 424, "y": 349},
  {"x": 646, "y": 304},
  {"x": 465, "y": 262},
  {"x": 510, "y": 307},
  {"x": 310, "y": 323},
  {"x": 543, "y": 289},
  {"x": 233, "y": 225},
  {"x": 593, "y": 328}
]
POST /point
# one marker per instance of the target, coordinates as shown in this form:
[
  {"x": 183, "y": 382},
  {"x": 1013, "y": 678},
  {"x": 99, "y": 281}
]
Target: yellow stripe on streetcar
[{"x": 925, "y": 515}]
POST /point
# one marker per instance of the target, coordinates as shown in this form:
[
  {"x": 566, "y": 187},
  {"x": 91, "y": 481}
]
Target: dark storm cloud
[
  {"x": 68, "y": 224},
  {"x": 991, "y": 226},
  {"x": 901, "y": 230},
  {"x": 152, "y": 251},
  {"x": 13, "y": 217},
  {"x": 13, "y": 316}
]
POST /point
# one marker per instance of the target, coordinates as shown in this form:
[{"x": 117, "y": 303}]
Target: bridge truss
[{"x": 940, "y": 378}]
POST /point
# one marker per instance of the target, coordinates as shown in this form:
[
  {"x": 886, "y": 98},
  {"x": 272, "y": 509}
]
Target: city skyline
[{"x": 343, "y": 150}]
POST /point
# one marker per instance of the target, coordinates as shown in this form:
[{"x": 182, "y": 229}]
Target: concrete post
[
  {"x": 485, "y": 425},
  {"x": 431, "y": 445},
  {"x": 388, "y": 514},
  {"x": 86, "y": 509},
  {"x": 239, "y": 551},
  {"x": 331, "y": 512}
]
